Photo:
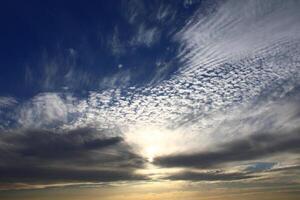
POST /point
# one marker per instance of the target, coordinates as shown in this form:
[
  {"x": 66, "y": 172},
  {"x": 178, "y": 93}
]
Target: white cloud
[
  {"x": 116, "y": 46},
  {"x": 119, "y": 79},
  {"x": 165, "y": 13},
  {"x": 238, "y": 30},
  {"x": 145, "y": 36},
  {"x": 7, "y": 102},
  {"x": 133, "y": 10},
  {"x": 44, "y": 110},
  {"x": 6, "y": 105}
]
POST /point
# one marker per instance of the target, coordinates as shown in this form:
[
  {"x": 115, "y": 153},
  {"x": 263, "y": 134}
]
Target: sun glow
[
  {"x": 152, "y": 142},
  {"x": 150, "y": 152}
]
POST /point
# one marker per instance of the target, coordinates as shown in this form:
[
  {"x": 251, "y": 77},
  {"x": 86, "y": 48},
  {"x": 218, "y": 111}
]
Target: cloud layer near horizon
[{"x": 81, "y": 155}]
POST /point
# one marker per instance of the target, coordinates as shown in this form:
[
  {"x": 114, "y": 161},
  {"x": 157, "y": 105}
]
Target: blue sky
[
  {"x": 148, "y": 93},
  {"x": 95, "y": 39}
]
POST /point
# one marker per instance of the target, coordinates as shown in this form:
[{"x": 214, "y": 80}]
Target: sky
[{"x": 150, "y": 100}]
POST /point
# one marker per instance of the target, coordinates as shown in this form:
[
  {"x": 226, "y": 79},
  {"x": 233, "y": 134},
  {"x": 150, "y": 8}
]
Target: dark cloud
[
  {"x": 257, "y": 170},
  {"x": 209, "y": 176},
  {"x": 41, "y": 143},
  {"x": 44, "y": 175},
  {"x": 249, "y": 148},
  {"x": 86, "y": 154}
]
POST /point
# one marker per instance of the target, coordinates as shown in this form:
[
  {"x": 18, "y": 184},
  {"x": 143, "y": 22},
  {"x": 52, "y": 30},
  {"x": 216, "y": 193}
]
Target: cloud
[
  {"x": 133, "y": 10},
  {"x": 58, "y": 70},
  {"x": 120, "y": 79},
  {"x": 47, "y": 175},
  {"x": 259, "y": 173},
  {"x": 253, "y": 147},
  {"x": 115, "y": 44},
  {"x": 166, "y": 13},
  {"x": 209, "y": 176},
  {"x": 7, "y": 102},
  {"x": 189, "y": 3},
  {"x": 145, "y": 36},
  {"x": 46, "y": 144},
  {"x": 82, "y": 155},
  {"x": 236, "y": 30},
  {"x": 46, "y": 109}
]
